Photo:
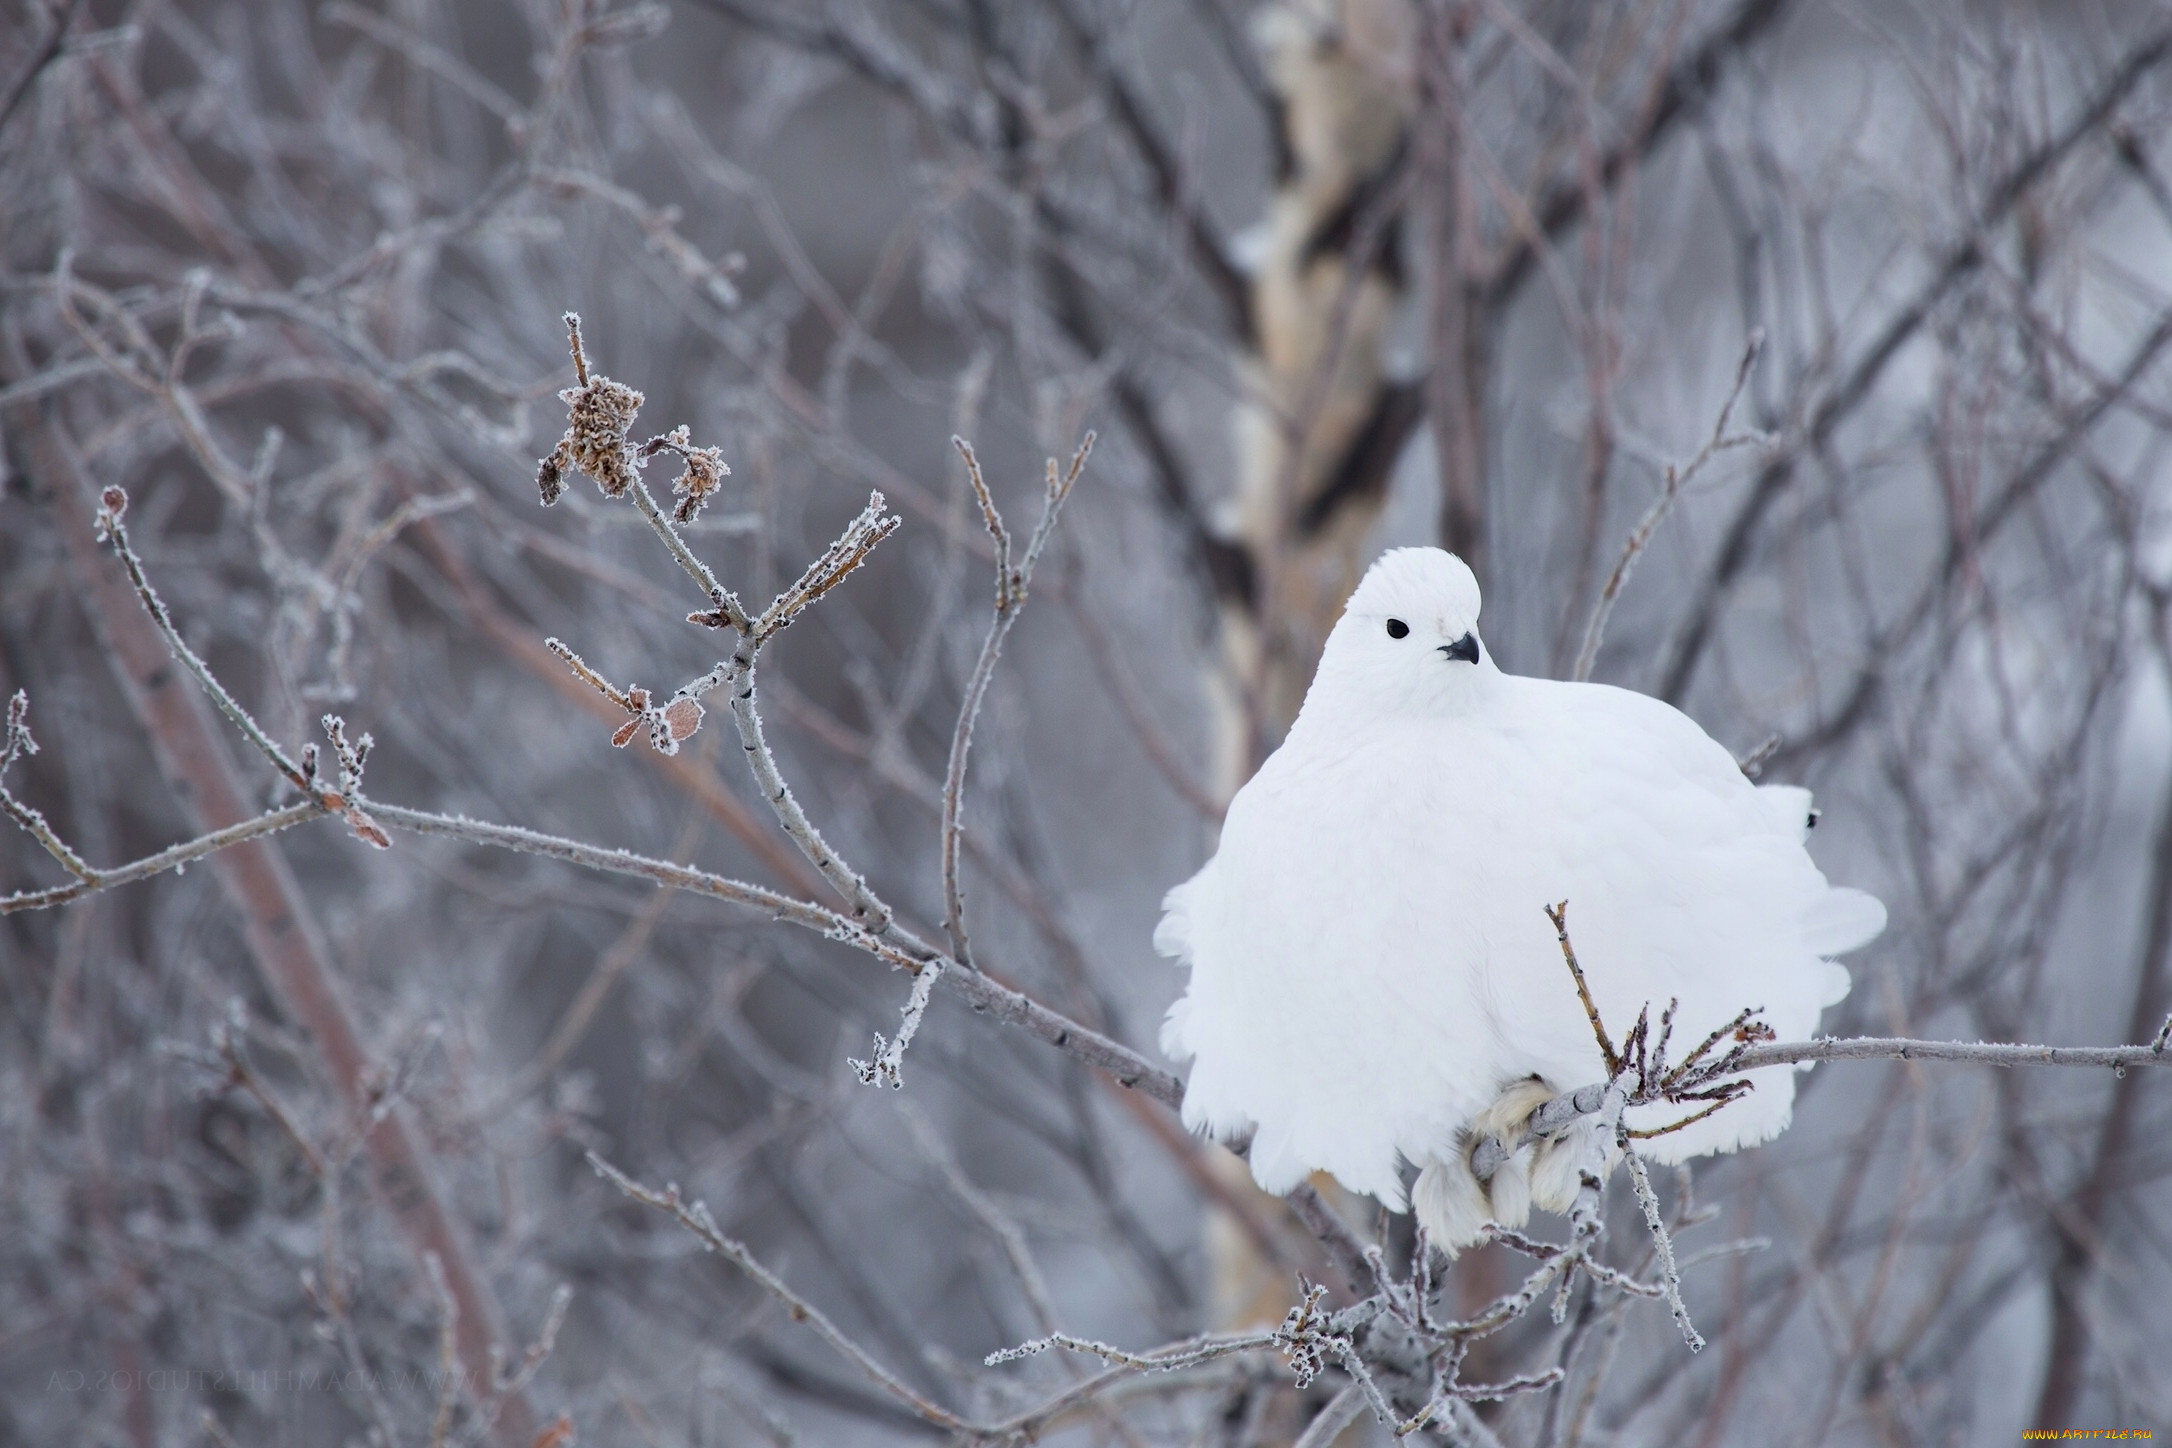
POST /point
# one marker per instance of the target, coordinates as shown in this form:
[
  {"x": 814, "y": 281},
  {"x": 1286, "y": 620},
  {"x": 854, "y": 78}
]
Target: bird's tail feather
[{"x": 1842, "y": 920}]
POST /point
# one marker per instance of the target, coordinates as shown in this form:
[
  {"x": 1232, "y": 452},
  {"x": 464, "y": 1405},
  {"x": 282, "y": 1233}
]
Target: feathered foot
[{"x": 1454, "y": 1207}]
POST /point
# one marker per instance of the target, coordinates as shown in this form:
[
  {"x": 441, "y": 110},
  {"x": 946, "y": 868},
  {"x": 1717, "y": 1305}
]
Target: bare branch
[
  {"x": 837, "y": 563},
  {"x": 1669, "y": 1274},
  {"x": 20, "y": 744},
  {"x": 1559, "y": 915},
  {"x": 1672, "y": 482},
  {"x": 695, "y": 1218},
  {"x": 113, "y": 503},
  {"x": 1012, "y": 582}
]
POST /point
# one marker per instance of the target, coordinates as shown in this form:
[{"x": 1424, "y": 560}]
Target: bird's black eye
[{"x": 1398, "y": 629}]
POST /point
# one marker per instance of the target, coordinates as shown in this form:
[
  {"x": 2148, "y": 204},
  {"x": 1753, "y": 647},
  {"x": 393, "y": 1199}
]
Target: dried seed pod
[
  {"x": 550, "y": 477},
  {"x": 702, "y": 473},
  {"x": 599, "y": 415}
]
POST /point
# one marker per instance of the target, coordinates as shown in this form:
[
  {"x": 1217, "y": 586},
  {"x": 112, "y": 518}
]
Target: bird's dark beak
[{"x": 1465, "y": 648}]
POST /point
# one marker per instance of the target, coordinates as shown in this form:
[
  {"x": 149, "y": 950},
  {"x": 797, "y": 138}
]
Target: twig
[
  {"x": 1978, "y": 1053},
  {"x": 113, "y": 503},
  {"x": 1674, "y": 480},
  {"x": 344, "y": 801},
  {"x": 622, "y": 697},
  {"x": 173, "y": 857},
  {"x": 1341, "y": 1411},
  {"x": 868, "y": 908},
  {"x": 1012, "y": 582},
  {"x": 21, "y": 745},
  {"x": 227, "y": 1039},
  {"x": 886, "y": 1067},
  {"x": 736, "y": 675},
  {"x": 1344, "y": 1247},
  {"x": 47, "y": 54},
  {"x": 670, "y": 724},
  {"x": 984, "y": 995},
  {"x": 278, "y": 925},
  {"x": 695, "y": 1218},
  {"x": 533, "y": 1356},
  {"x": 1548, "y": 1251},
  {"x": 1559, "y": 914},
  {"x": 448, "y": 1338},
  {"x": 1959, "y": 258},
  {"x": 1585, "y": 1099},
  {"x": 1668, "y": 1273},
  {"x": 1587, "y": 1216},
  {"x": 1189, "y": 1353},
  {"x": 838, "y": 562},
  {"x": 1501, "y": 1391},
  {"x": 999, "y": 1223}
]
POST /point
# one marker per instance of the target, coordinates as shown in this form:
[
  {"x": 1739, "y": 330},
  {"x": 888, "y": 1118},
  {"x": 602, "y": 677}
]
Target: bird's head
[{"x": 1408, "y": 638}]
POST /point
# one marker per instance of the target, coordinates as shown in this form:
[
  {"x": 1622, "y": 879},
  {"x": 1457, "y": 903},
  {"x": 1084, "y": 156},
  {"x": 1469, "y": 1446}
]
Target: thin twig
[
  {"x": 1674, "y": 480},
  {"x": 173, "y": 857},
  {"x": 621, "y": 697},
  {"x": 838, "y": 562},
  {"x": 1559, "y": 914},
  {"x": 1013, "y": 579},
  {"x": 1976, "y": 1053},
  {"x": 20, "y": 744},
  {"x": 1189, "y": 1353},
  {"x": 448, "y": 1337},
  {"x": 1669, "y": 1274},
  {"x": 695, "y": 1218},
  {"x": 47, "y": 54},
  {"x": 1584, "y": 1100},
  {"x": 113, "y": 503},
  {"x": 227, "y": 1039},
  {"x": 887, "y": 1065},
  {"x": 983, "y": 994},
  {"x": 1032, "y": 1284},
  {"x": 1341, "y": 1411},
  {"x": 868, "y": 908}
]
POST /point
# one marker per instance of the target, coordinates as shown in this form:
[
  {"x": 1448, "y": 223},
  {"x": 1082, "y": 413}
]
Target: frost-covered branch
[
  {"x": 174, "y": 857},
  {"x": 112, "y": 507},
  {"x": 1670, "y": 1274},
  {"x": 1556, "y": 1114}
]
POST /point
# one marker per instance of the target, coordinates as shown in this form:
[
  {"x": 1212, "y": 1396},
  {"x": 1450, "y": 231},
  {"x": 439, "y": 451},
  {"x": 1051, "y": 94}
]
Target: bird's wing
[
  {"x": 1686, "y": 883},
  {"x": 1328, "y": 1005},
  {"x": 1173, "y": 938}
]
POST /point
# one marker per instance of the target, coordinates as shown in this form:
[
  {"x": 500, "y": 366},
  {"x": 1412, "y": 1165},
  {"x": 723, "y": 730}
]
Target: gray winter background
[{"x": 1799, "y": 361}]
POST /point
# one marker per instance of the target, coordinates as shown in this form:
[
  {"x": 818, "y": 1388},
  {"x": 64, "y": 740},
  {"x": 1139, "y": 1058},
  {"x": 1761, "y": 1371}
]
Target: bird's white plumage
[{"x": 1371, "y": 964}]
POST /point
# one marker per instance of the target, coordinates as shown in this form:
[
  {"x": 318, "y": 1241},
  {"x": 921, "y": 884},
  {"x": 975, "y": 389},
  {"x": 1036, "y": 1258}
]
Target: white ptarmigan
[{"x": 1373, "y": 975}]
